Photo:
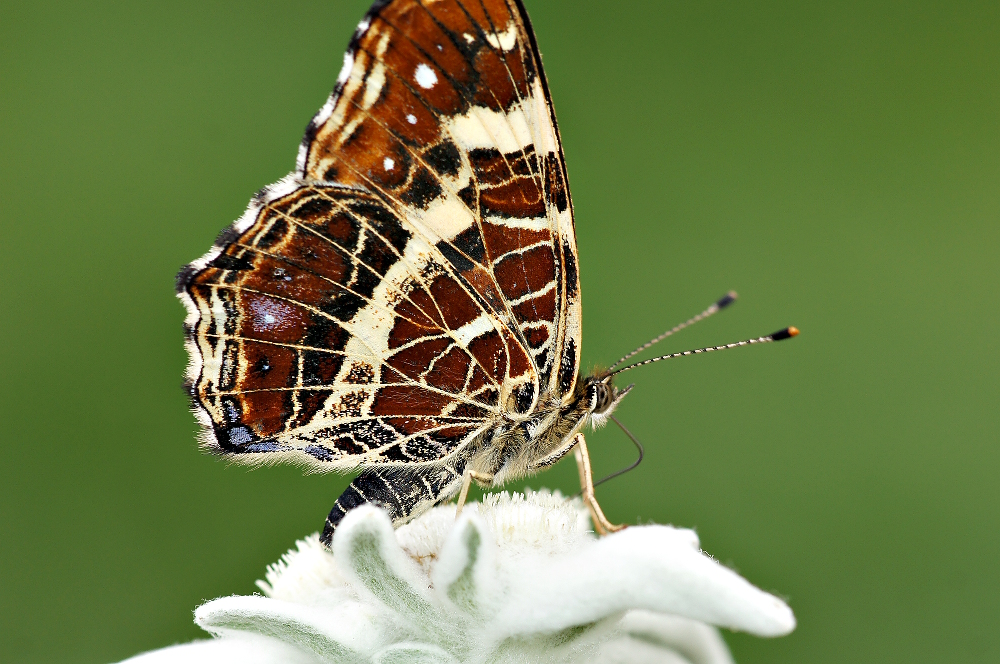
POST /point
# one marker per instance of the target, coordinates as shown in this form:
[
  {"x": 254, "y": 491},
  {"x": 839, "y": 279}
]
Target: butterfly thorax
[{"x": 517, "y": 449}]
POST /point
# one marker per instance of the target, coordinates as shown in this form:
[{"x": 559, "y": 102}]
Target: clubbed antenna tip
[
  {"x": 786, "y": 333},
  {"x": 726, "y": 300}
]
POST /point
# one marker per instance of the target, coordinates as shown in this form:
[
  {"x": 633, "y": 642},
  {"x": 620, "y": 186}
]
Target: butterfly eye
[
  {"x": 598, "y": 397},
  {"x": 606, "y": 397}
]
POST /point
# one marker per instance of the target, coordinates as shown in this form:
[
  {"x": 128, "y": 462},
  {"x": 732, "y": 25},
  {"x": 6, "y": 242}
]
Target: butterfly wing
[{"x": 414, "y": 281}]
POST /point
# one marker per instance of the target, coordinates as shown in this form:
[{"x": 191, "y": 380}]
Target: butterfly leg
[
  {"x": 601, "y": 523},
  {"x": 403, "y": 495},
  {"x": 467, "y": 478},
  {"x": 553, "y": 456}
]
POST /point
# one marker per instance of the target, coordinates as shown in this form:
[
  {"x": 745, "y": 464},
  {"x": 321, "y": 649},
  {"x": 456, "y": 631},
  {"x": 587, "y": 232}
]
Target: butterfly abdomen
[{"x": 404, "y": 494}]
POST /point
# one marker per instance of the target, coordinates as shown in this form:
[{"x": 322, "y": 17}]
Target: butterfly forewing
[{"x": 414, "y": 282}]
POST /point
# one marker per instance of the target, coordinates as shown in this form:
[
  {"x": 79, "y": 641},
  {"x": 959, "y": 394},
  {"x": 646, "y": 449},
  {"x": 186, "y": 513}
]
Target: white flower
[{"x": 514, "y": 579}]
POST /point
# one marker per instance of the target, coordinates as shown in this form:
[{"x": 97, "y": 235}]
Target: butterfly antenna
[
  {"x": 786, "y": 333},
  {"x": 721, "y": 304}
]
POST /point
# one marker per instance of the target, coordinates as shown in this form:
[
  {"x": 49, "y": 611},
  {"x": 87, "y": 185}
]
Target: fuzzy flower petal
[
  {"x": 514, "y": 579},
  {"x": 247, "y": 649},
  {"x": 658, "y": 568}
]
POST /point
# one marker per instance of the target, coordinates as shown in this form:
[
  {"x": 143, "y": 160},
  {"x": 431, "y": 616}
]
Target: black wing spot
[
  {"x": 470, "y": 243},
  {"x": 569, "y": 260},
  {"x": 444, "y": 158},
  {"x": 344, "y": 305},
  {"x": 555, "y": 184},
  {"x": 261, "y": 367},
  {"x": 567, "y": 367},
  {"x": 468, "y": 196},
  {"x": 277, "y": 231},
  {"x": 465, "y": 246},
  {"x": 423, "y": 189},
  {"x": 227, "y": 262},
  {"x": 523, "y": 396},
  {"x": 383, "y": 221}
]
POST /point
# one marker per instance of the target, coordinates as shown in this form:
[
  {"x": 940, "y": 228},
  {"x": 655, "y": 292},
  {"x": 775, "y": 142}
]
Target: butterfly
[{"x": 407, "y": 302}]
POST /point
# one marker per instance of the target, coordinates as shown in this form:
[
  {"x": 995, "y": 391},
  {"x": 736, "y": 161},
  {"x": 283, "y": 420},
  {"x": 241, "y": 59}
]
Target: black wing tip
[
  {"x": 229, "y": 234},
  {"x": 376, "y": 7},
  {"x": 786, "y": 333},
  {"x": 184, "y": 277}
]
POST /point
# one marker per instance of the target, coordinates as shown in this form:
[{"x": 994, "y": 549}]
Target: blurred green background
[{"x": 836, "y": 163}]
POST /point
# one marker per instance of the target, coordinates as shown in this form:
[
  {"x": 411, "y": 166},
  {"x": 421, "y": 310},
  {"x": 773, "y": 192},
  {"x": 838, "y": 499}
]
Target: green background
[{"x": 836, "y": 163}]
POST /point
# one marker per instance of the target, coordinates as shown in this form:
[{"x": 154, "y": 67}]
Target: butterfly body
[
  {"x": 506, "y": 451},
  {"x": 518, "y": 449}
]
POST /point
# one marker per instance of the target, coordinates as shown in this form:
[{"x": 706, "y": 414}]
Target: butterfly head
[{"x": 602, "y": 397}]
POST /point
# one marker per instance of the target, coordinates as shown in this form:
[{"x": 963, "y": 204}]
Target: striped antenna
[
  {"x": 786, "y": 333},
  {"x": 721, "y": 304}
]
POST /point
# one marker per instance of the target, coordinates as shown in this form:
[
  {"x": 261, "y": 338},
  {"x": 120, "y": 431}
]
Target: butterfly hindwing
[
  {"x": 414, "y": 281},
  {"x": 298, "y": 354}
]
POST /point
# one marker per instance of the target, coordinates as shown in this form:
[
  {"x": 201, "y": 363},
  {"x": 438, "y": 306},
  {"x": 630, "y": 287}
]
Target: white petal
[
  {"x": 694, "y": 641},
  {"x": 643, "y": 567},
  {"x": 369, "y": 557},
  {"x": 307, "y": 574},
  {"x": 250, "y": 649},
  {"x": 629, "y": 650},
  {"x": 413, "y": 653},
  {"x": 465, "y": 574},
  {"x": 340, "y": 633}
]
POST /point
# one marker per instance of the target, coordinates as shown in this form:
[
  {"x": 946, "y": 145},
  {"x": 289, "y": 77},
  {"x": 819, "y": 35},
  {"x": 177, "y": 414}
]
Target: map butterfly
[{"x": 406, "y": 302}]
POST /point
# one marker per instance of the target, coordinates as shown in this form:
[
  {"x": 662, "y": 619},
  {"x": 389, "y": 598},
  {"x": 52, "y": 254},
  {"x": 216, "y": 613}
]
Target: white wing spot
[
  {"x": 388, "y": 163},
  {"x": 524, "y": 124},
  {"x": 268, "y": 315},
  {"x": 469, "y": 38},
  {"x": 411, "y": 118},
  {"x": 506, "y": 40},
  {"x": 425, "y": 76}
]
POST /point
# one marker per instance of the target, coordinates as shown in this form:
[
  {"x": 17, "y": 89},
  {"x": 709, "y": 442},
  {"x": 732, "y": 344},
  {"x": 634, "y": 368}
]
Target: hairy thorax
[{"x": 521, "y": 448}]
